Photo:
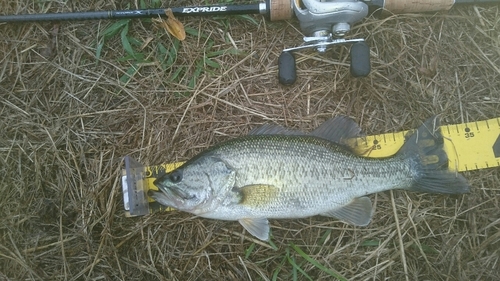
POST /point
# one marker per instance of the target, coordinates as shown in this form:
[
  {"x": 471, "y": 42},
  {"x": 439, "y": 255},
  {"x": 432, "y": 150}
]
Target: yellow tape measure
[{"x": 469, "y": 146}]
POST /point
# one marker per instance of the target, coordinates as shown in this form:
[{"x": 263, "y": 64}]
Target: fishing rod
[
  {"x": 257, "y": 8},
  {"x": 324, "y": 22}
]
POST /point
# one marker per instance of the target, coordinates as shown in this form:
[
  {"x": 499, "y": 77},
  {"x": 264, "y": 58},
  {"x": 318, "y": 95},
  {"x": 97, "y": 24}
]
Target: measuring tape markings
[
  {"x": 476, "y": 145},
  {"x": 469, "y": 146}
]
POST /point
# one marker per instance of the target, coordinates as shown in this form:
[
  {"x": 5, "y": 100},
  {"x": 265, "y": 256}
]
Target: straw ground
[{"x": 73, "y": 104}]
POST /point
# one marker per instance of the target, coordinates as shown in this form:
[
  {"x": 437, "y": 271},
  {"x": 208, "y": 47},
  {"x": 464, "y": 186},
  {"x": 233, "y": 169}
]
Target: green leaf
[
  {"x": 131, "y": 71},
  {"x": 215, "y": 54},
  {"x": 191, "y": 31},
  {"x": 370, "y": 243},
  {"x": 271, "y": 243},
  {"x": 156, "y": 3},
  {"x": 296, "y": 267},
  {"x": 174, "y": 76},
  {"x": 324, "y": 237},
  {"x": 98, "y": 50},
  {"x": 114, "y": 28},
  {"x": 161, "y": 49},
  {"x": 125, "y": 42},
  {"x": 248, "y": 18},
  {"x": 234, "y": 51},
  {"x": 317, "y": 264},
  {"x": 172, "y": 54},
  {"x": 278, "y": 269},
  {"x": 134, "y": 41},
  {"x": 426, "y": 249},
  {"x": 211, "y": 63},
  {"x": 249, "y": 250},
  {"x": 196, "y": 74}
]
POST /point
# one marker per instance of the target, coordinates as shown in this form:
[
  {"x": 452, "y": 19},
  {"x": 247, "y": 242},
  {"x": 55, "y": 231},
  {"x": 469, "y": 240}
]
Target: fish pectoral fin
[
  {"x": 358, "y": 212},
  {"x": 258, "y": 227}
]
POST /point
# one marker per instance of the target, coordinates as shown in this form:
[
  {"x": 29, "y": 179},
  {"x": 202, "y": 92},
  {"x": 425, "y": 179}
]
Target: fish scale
[
  {"x": 280, "y": 173},
  {"x": 307, "y": 167}
]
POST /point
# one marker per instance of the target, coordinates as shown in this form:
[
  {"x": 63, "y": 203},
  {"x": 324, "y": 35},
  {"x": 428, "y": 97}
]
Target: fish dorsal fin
[
  {"x": 258, "y": 227},
  {"x": 338, "y": 129},
  {"x": 257, "y": 195},
  {"x": 358, "y": 212},
  {"x": 272, "y": 129}
]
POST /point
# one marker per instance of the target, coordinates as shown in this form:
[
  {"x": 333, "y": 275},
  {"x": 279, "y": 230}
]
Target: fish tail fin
[{"x": 429, "y": 160}]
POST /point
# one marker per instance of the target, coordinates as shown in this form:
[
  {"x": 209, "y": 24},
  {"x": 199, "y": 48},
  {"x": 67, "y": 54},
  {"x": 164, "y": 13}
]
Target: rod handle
[{"x": 280, "y": 9}]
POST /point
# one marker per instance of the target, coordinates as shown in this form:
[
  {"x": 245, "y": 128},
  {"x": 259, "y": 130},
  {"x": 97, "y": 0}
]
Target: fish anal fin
[
  {"x": 258, "y": 227},
  {"x": 358, "y": 212}
]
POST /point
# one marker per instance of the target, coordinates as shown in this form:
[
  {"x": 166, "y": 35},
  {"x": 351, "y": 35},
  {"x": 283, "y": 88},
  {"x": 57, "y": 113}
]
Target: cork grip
[
  {"x": 280, "y": 9},
  {"x": 417, "y": 6}
]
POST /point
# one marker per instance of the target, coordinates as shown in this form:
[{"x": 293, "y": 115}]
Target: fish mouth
[
  {"x": 166, "y": 198},
  {"x": 170, "y": 196},
  {"x": 171, "y": 190}
]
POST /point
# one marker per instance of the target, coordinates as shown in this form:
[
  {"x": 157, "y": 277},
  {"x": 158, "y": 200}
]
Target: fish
[{"x": 278, "y": 173}]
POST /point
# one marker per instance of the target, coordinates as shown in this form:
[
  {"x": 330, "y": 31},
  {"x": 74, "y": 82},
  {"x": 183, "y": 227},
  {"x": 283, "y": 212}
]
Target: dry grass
[{"x": 67, "y": 121}]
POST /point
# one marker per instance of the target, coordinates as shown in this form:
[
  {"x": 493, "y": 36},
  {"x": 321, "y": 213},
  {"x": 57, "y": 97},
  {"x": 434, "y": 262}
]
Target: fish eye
[{"x": 175, "y": 176}]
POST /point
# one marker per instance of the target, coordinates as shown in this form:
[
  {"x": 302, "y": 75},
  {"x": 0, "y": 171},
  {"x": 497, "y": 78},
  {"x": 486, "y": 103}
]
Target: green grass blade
[
  {"x": 191, "y": 31},
  {"x": 426, "y": 249},
  {"x": 196, "y": 74},
  {"x": 172, "y": 54},
  {"x": 296, "y": 267},
  {"x": 98, "y": 50},
  {"x": 131, "y": 71},
  {"x": 211, "y": 63},
  {"x": 278, "y": 269},
  {"x": 125, "y": 42},
  {"x": 156, "y": 3},
  {"x": 249, "y": 250},
  {"x": 115, "y": 28},
  {"x": 248, "y": 18},
  {"x": 317, "y": 264},
  {"x": 162, "y": 50},
  {"x": 215, "y": 54},
  {"x": 176, "y": 74},
  {"x": 324, "y": 236},
  {"x": 134, "y": 41},
  {"x": 271, "y": 243},
  {"x": 370, "y": 243}
]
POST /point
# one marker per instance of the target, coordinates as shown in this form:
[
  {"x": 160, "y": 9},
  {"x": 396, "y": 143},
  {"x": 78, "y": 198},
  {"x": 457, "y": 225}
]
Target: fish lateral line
[{"x": 435, "y": 173}]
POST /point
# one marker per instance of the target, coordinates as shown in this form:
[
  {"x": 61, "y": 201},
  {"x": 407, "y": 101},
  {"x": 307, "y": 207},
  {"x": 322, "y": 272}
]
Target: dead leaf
[{"x": 172, "y": 25}]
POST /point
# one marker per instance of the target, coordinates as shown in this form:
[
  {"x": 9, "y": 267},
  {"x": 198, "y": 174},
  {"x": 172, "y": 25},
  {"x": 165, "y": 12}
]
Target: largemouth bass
[{"x": 279, "y": 173}]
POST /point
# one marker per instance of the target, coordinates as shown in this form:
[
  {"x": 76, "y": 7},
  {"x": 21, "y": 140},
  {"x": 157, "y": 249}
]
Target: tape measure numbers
[
  {"x": 469, "y": 146},
  {"x": 474, "y": 145}
]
